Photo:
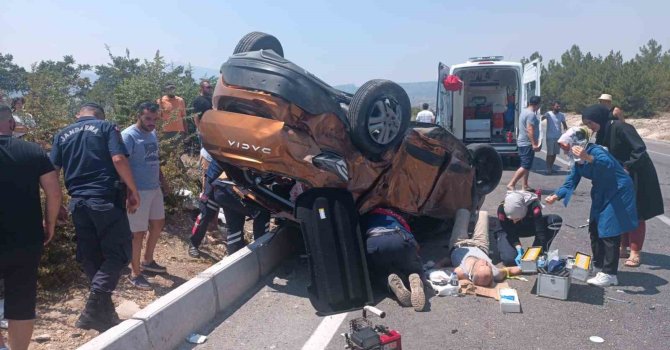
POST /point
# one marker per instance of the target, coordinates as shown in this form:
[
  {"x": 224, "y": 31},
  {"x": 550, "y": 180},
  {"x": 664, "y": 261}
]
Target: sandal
[
  {"x": 624, "y": 254},
  {"x": 632, "y": 262}
]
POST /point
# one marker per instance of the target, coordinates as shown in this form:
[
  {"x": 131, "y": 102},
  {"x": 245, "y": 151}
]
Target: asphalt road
[{"x": 633, "y": 315}]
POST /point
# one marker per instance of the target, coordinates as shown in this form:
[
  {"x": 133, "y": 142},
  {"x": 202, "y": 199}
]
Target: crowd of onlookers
[
  {"x": 114, "y": 180},
  {"x": 116, "y": 189}
]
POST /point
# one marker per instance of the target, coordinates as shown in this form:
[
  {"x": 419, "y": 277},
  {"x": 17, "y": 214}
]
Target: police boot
[
  {"x": 112, "y": 316},
  {"x": 95, "y": 316}
]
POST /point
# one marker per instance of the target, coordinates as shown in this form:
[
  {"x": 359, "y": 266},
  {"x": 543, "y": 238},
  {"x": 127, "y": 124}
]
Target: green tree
[
  {"x": 12, "y": 76},
  {"x": 56, "y": 90}
]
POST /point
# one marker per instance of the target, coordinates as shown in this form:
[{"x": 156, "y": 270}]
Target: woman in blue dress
[{"x": 613, "y": 209}]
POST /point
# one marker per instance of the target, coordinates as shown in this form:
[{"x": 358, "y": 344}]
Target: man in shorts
[
  {"x": 25, "y": 168},
  {"x": 527, "y": 142},
  {"x": 142, "y": 145},
  {"x": 555, "y": 126}
]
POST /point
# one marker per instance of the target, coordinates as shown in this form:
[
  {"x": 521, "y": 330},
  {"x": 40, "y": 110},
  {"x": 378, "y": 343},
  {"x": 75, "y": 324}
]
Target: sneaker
[
  {"x": 193, "y": 251},
  {"x": 139, "y": 282},
  {"x": 153, "y": 267},
  {"x": 603, "y": 280},
  {"x": 418, "y": 294},
  {"x": 398, "y": 288}
]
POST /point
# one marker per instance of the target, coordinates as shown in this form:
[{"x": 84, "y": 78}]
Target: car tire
[
  {"x": 488, "y": 167},
  {"x": 379, "y": 114},
  {"x": 255, "y": 41}
]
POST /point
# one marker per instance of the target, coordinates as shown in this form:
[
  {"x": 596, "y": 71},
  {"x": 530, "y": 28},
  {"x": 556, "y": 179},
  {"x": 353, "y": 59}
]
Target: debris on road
[
  {"x": 596, "y": 339},
  {"x": 618, "y": 300},
  {"x": 195, "y": 338}
]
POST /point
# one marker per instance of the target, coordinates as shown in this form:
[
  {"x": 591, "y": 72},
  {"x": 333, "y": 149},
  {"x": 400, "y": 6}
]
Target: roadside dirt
[
  {"x": 57, "y": 311},
  {"x": 656, "y": 128}
]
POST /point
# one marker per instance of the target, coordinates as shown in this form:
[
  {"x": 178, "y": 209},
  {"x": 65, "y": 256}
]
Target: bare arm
[
  {"x": 51, "y": 187},
  {"x": 123, "y": 169},
  {"x": 530, "y": 129}
]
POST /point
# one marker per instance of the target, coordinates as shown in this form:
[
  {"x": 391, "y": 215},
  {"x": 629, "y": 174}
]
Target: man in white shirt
[{"x": 425, "y": 116}]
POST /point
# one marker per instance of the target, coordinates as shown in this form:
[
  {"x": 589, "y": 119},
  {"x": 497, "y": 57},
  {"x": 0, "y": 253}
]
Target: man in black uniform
[
  {"x": 101, "y": 186},
  {"x": 520, "y": 215},
  {"x": 24, "y": 168},
  {"x": 220, "y": 193}
]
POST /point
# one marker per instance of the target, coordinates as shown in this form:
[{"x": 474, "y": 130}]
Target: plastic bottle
[
  {"x": 453, "y": 279},
  {"x": 541, "y": 261}
]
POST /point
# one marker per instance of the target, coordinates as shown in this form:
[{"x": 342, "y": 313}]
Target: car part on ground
[{"x": 335, "y": 250}]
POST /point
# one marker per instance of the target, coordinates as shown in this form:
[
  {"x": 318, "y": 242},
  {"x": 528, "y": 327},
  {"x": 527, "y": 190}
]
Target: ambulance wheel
[
  {"x": 255, "y": 41},
  {"x": 488, "y": 167},
  {"x": 379, "y": 114}
]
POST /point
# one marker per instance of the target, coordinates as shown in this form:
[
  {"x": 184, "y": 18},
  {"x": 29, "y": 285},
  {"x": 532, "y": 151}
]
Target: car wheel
[
  {"x": 255, "y": 41},
  {"x": 379, "y": 115},
  {"x": 488, "y": 167}
]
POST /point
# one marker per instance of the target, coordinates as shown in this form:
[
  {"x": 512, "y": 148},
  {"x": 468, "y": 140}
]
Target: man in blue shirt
[
  {"x": 528, "y": 142},
  {"x": 142, "y": 145},
  {"x": 101, "y": 186}
]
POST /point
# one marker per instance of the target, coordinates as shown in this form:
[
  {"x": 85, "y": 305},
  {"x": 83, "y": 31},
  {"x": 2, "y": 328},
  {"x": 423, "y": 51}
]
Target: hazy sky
[{"x": 341, "y": 41}]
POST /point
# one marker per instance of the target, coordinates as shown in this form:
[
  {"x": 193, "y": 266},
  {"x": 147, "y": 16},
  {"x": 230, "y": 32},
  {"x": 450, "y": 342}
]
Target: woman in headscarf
[
  {"x": 613, "y": 210},
  {"x": 627, "y": 147},
  {"x": 520, "y": 215}
]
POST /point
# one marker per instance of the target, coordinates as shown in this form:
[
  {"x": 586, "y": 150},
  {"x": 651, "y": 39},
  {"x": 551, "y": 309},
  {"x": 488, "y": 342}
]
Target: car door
[
  {"x": 531, "y": 80},
  {"x": 443, "y": 108},
  {"x": 531, "y": 87}
]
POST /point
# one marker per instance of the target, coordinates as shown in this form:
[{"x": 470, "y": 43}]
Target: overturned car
[{"x": 274, "y": 125}]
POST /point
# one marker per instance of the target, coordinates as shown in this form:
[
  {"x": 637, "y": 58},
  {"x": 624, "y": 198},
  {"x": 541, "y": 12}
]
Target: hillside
[{"x": 419, "y": 92}]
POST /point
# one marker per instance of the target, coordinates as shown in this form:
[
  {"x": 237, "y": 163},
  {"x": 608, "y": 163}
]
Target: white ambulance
[{"x": 486, "y": 108}]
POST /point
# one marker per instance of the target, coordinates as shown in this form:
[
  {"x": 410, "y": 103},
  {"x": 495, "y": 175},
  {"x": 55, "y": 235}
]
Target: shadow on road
[
  {"x": 648, "y": 282},
  {"x": 656, "y": 261}
]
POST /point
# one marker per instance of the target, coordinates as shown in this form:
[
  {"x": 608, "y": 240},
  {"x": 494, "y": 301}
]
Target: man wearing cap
[
  {"x": 615, "y": 112},
  {"x": 528, "y": 142},
  {"x": 173, "y": 111},
  {"x": 101, "y": 186},
  {"x": 520, "y": 215},
  {"x": 24, "y": 169}
]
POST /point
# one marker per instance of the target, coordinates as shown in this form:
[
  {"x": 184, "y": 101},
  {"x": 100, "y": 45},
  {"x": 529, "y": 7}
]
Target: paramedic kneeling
[
  {"x": 520, "y": 215},
  {"x": 393, "y": 255}
]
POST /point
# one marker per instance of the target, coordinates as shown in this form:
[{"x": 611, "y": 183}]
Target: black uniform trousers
[
  {"x": 235, "y": 212},
  {"x": 605, "y": 250},
  {"x": 392, "y": 252},
  {"x": 104, "y": 240}
]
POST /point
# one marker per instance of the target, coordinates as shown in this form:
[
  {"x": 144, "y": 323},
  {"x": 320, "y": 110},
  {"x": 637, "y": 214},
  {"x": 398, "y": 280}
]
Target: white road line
[
  {"x": 665, "y": 219},
  {"x": 659, "y": 153},
  {"x": 324, "y": 332},
  {"x": 558, "y": 158}
]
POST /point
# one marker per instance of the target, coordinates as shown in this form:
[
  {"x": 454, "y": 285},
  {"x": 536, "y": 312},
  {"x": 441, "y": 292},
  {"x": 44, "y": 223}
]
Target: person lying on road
[{"x": 470, "y": 257}]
